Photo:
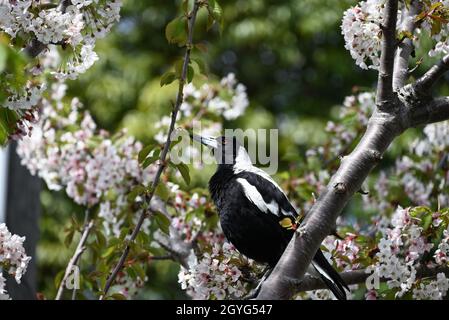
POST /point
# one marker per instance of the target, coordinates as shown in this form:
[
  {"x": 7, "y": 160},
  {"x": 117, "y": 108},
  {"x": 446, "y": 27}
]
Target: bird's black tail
[{"x": 330, "y": 276}]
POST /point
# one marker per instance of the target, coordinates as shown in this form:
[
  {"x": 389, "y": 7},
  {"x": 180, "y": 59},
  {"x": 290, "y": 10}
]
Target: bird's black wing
[{"x": 264, "y": 192}]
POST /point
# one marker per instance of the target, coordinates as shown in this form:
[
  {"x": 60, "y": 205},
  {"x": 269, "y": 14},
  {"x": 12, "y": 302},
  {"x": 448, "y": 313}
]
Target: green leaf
[
  {"x": 215, "y": 15},
  {"x": 108, "y": 252},
  {"x": 185, "y": 6},
  {"x": 95, "y": 274},
  {"x": 163, "y": 222},
  {"x": 136, "y": 191},
  {"x": 404, "y": 34},
  {"x": 162, "y": 191},
  {"x": 168, "y": 78},
  {"x": 184, "y": 170},
  {"x": 153, "y": 158},
  {"x": 3, "y": 57},
  {"x": 178, "y": 67},
  {"x": 149, "y": 161},
  {"x": 176, "y": 32},
  {"x": 140, "y": 272},
  {"x": 69, "y": 238},
  {"x": 144, "y": 152},
  {"x": 202, "y": 47},
  {"x": 101, "y": 239},
  {"x": 143, "y": 239},
  {"x": 58, "y": 278},
  {"x": 118, "y": 296},
  {"x": 201, "y": 65},
  {"x": 426, "y": 221},
  {"x": 421, "y": 16},
  {"x": 123, "y": 233},
  {"x": 435, "y": 6},
  {"x": 132, "y": 273},
  {"x": 436, "y": 27}
]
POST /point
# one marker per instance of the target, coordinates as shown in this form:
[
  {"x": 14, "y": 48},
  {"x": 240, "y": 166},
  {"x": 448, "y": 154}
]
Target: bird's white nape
[
  {"x": 242, "y": 160},
  {"x": 243, "y": 163}
]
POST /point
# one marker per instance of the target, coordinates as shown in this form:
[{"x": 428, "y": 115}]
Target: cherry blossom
[{"x": 13, "y": 258}]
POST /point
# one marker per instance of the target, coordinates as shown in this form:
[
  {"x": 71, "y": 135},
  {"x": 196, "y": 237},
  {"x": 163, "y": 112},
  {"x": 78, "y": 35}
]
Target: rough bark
[{"x": 396, "y": 111}]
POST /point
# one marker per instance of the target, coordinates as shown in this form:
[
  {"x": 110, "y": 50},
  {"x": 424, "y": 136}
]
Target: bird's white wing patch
[
  {"x": 243, "y": 163},
  {"x": 253, "y": 195},
  {"x": 288, "y": 213}
]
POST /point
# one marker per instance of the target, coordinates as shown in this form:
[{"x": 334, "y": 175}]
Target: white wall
[{"x": 3, "y": 182}]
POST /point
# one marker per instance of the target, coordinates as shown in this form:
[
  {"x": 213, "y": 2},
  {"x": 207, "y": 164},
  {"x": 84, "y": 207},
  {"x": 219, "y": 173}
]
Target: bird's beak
[{"x": 210, "y": 142}]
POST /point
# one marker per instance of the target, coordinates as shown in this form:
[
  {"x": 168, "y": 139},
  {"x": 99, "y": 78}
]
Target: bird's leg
[{"x": 253, "y": 293}]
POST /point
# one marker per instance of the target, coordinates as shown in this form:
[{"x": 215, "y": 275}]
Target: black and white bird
[{"x": 251, "y": 206}]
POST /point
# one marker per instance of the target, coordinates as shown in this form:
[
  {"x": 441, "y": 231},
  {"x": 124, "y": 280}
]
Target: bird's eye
[{"x": 224, "y": 141}]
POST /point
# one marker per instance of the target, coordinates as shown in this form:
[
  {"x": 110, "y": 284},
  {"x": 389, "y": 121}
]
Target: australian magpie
[{"x": 252, "y": 207}]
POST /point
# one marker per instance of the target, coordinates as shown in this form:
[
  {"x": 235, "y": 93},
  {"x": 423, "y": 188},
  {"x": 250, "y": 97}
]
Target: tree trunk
[{"x": 22, "y": 217}]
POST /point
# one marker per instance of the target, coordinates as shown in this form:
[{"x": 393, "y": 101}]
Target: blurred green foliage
[
  {"x": 11, "y": 62},
  {"x": 289, "y": 53}
]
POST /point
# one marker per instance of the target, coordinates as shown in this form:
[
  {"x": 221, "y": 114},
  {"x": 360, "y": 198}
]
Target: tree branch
[
  {"x": 75, "y": 258},
  {"x": 359, "y": 276},
  {"x": 401, "y": 71},
  {"x": 425, "y": 83},
  {"x": 319, "y": 222},
  {"x": 165, "y": 150},
  {"x": 388, "y": 48},
  {"x": 392, "y": 116}
]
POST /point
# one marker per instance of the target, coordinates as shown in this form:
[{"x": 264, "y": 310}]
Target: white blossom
[{"x": 13, "y": 258}]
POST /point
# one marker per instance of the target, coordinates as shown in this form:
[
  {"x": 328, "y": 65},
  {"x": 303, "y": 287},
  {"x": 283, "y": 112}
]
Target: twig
[
  {"x": 163, "y": 156},
  {"x": 75, "y": 258}
]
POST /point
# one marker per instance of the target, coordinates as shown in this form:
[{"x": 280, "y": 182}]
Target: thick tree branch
[
  {"x": 425, "y": 83},
  {"x": 388, "y": 48},
  {"x": 360, "y": 276},
  {"x": 438, "y": 110},
  {"x": 394, "y": 114},
  {"x": 75, "y": 258},
  {"x": 165, "y": 150},
  {"x": 319, "y": 222},
  {"x": 405, "y": 49}
]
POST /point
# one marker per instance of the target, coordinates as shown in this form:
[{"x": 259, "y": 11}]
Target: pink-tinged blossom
[
  {"x": 362, "y": 34},
  {"x": 214, "y": 275},
  {"x": 13, "y": 258},
  {"x": 433, "y": 290},
  {"x": 90, "y": 165},
  {"x": 441, "y": 254}
]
